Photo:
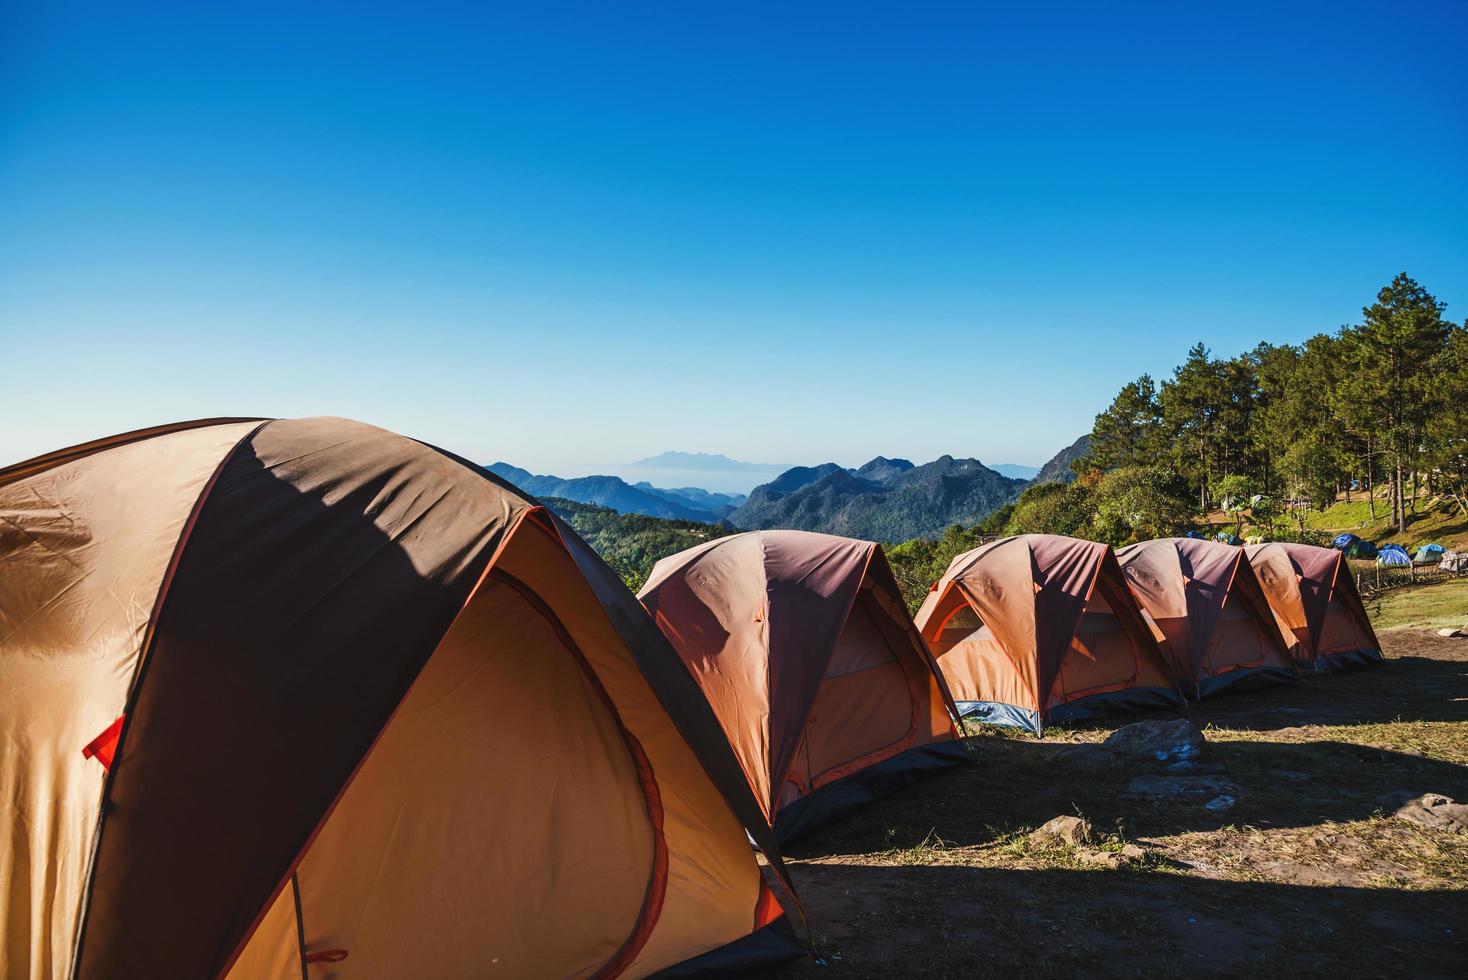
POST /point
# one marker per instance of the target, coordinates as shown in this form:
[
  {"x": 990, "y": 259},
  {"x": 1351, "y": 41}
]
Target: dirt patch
[{"x": 1305, "y": 876}]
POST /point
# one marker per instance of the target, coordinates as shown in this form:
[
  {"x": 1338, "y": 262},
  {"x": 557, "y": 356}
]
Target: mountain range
[
  {"x": 882, "y": 500},
  {"x": 885, "y": 499},
  {"x": 683, "y": 503}
]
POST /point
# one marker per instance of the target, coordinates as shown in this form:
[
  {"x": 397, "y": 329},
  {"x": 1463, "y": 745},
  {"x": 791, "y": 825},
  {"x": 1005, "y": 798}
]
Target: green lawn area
[
  {"x": 1435, "y": 521},
  {"x": 1428, "y": 607}
]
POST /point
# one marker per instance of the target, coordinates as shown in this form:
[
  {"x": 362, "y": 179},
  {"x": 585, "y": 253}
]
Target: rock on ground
[
  {"x": 1157, "y": 741},
  {"x": 1431, "y": 810},
  {"x": 1063, "y": 830}
]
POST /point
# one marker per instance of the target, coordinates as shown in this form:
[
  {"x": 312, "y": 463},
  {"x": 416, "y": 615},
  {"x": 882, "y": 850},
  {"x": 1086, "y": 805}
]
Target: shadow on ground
[
  {"x": 962, "y": 921},
  {"x": 1019, "y": 784}
]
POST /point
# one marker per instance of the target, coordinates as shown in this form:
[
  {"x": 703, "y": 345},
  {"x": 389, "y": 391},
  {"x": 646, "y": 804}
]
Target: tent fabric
[
  {"x": 803, "y": 648},
  {"x": 1428, "y": 552},
  {"x": 1344, "y": 541},
  {"x": 344, "y": 660},
  {"x": 1316, "y": 607},
  {"x": 1393, "y": 556},
  {"x": 1207, "y": 613},
  {"x": 1046, "y": 625}
]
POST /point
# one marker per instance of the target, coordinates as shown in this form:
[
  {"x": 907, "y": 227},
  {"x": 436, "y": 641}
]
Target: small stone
[
  {"x": 1435, "y": 812},
  {"x": 1133, "y": 853},
  {"x": 1072, "y": 831},
  {"x": 1221, "y": 802},
  {"x": 1100, "y": 859}
]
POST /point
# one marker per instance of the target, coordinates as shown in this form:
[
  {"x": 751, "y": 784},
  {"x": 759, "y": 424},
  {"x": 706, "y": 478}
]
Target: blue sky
[{"x": 585, "y": 234}]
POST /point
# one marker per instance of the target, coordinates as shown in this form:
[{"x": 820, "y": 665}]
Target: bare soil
[{"x": 1307, "y": 876}]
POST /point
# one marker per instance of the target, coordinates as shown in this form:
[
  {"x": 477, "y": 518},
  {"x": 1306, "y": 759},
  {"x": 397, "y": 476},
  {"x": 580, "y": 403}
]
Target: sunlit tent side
[
  {"x": 1041, "y": 629},
  {"x": 1316, "y": 606},
  {"x": 802, "y": 645},
  {"x": 1208, "y": 614},
  {"x": 297, "y": 697}
]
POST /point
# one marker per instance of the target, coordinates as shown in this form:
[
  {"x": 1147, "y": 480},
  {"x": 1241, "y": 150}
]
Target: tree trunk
[
  {"x": 1398, "y": 504},
  {"x": 1370, "y": 483}
]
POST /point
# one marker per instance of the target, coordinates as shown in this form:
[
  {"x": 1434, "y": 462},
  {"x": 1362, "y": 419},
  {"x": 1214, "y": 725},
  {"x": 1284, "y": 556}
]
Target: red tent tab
[{"x": 104, "y": 746}]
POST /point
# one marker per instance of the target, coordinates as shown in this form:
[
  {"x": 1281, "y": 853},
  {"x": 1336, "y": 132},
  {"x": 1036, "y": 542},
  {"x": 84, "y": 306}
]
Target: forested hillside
[
  {"x": 1058, "y": 468},
  {"x": 1366, "y": 427},
  {"x": 631, "y": 543}
]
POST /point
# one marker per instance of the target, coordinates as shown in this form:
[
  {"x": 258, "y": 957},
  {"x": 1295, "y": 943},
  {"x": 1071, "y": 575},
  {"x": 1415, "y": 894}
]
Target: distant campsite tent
[
  {"x": 1454, "y": 561},
  {"x": 1361, "y": 549},
  {"x": 804, "y": 649},
  {"x": 1428, "y": 552},
  {"x": 1344, "y": 542},
  {"x": 1040, "y": 629},
  {"x": 1316, "y": 606},
  {"x": 1393, "y": 556},
  {"x": 1208, "y": 614},
  {"x": 279, "y": 693}
]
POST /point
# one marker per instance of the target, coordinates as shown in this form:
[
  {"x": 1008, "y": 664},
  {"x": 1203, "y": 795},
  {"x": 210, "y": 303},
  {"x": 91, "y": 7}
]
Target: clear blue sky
[{"x": 785, "y": 232}]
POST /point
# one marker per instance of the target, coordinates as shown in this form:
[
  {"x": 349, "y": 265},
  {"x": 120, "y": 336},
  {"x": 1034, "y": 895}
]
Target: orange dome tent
[
  {"x": 304, "y": 697},
  {"x": 1208, "y": 613},
  {"x": 802, "y": 645},
  {"x": 1040, "y": 629},
  {"x": 1316, "y": 606}
]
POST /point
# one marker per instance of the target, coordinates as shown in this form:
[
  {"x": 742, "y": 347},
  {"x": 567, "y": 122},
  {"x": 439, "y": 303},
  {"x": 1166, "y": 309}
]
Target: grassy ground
[
  {"x": 1305, "y": 877},
  {"x": 1435, "y": 521},
  {"x": 1431, "y": 607}
]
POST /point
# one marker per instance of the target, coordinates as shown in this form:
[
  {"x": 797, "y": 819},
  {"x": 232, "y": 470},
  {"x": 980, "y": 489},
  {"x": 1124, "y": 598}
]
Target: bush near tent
[
  {"x": 1208, "y": 614},
  {"x": 1316, "y": 606},
  {"x": 1042, "y": 629},
  {"x": 373, "y": 678},
  {"x": 805, "y": 650}
]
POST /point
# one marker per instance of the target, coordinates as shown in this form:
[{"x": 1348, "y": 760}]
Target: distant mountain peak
[
  {"x": 700, "y": 461},
  {"x": 883, "y": 500},
  {"x": 1058, "y": 470},
  {"x": 881, "y": 469}
]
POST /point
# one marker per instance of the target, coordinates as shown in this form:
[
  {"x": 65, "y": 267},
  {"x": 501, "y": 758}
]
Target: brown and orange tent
[
  {"x": 1040, "y": 629},
  {"x": 803, "y": 647},
  {"x": 1316, "y": 606},
  {"x": 304, "y": 697},
  {"x": 1208, "y": 613}
]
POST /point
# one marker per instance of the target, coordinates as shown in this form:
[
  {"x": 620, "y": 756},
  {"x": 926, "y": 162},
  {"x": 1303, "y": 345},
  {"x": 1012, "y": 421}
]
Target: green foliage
[
  {"x": 1053, "y": 508},
  {"x": 1136, "y": 503},
  {"x": 632, "y": 543},
  {"x": 919, "y": 563},
  {"x": 1384, "y": 400}
]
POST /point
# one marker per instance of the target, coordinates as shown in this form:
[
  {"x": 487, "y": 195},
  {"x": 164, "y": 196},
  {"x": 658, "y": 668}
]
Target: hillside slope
[
  {"x": 1057, "y": 469},
  {"x": 631, "y": 543}
]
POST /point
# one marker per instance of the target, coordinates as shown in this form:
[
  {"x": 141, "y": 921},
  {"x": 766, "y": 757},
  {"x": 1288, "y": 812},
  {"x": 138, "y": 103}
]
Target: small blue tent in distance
[
  {"x": 1343, "y": 542},
  {"x": 1393, "y": 556},
  {"x": 1429, "y": 552}
]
